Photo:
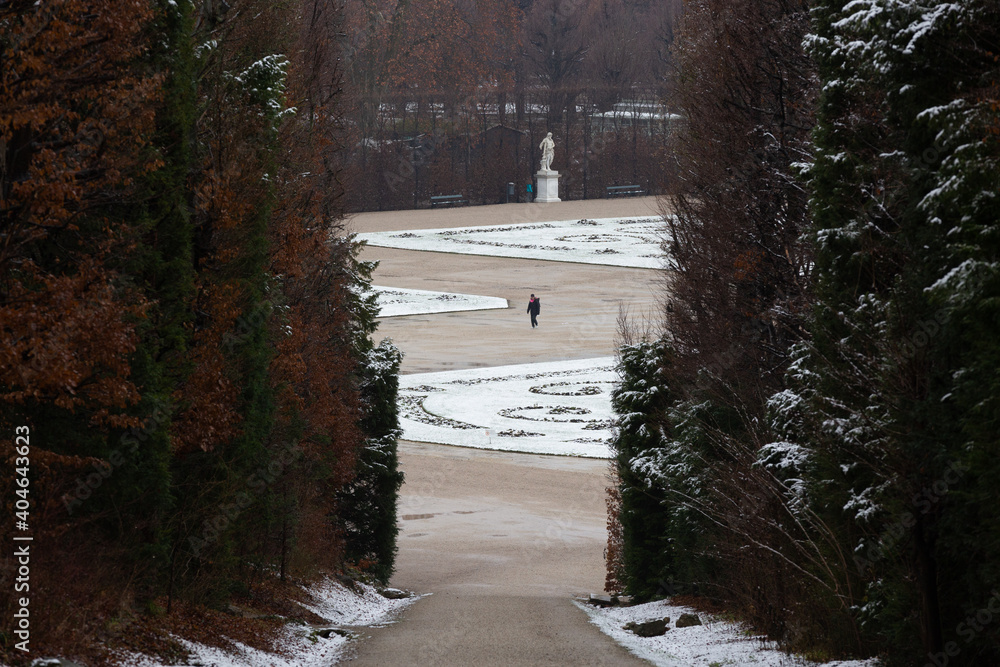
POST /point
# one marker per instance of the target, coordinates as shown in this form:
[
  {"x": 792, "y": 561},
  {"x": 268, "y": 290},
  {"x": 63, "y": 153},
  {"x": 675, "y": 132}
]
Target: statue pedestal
[{"x": 548, "y": 186}]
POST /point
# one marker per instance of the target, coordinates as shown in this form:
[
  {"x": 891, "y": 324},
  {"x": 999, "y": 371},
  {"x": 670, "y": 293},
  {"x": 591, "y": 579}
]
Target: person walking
[{"x": 534, "y": 307}]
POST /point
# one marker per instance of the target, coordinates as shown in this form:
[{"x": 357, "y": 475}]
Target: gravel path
[{"x": 501, "y": 541}]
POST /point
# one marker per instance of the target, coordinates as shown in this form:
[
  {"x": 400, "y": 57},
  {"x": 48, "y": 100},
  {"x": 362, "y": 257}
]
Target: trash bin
[{"x": 510, "y": 192}]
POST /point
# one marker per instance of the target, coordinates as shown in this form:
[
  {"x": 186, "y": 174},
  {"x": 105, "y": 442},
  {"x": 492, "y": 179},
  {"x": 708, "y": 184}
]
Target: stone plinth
[{"x": 548, "y": 186}]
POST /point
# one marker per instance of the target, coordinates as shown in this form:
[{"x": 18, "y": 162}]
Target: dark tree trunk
[{"x": 930, "y": 608}]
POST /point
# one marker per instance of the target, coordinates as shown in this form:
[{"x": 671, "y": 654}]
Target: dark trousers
[{"x": 534, "y": 322}]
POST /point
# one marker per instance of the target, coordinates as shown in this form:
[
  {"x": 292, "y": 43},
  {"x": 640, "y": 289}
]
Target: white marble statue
[{"x": 548, "y": 152}]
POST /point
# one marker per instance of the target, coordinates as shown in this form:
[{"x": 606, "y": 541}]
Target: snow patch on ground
[
  {"x": 632, "y": 242},
  {"x": 715, "y": 643},
  {"x": 306, "y": 654},
  {"x": 399, "y": 301},
  {"x": 301, "y": 645},
  {"x": 561, "y": 407},
  {"x": 344, "y": 607}
]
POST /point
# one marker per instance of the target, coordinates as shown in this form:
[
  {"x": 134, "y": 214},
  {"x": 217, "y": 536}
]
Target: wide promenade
[{"x": 502, "y": 541}]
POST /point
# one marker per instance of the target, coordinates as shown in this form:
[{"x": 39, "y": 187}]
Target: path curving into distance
[{"x": 501, "y": 541}]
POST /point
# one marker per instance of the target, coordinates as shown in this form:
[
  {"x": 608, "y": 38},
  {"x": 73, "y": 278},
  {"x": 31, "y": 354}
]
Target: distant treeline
[
  {"x": 455, "y": 97},
  {"x": 185, "y": 331},
  {"x": 812, "y": 438}
]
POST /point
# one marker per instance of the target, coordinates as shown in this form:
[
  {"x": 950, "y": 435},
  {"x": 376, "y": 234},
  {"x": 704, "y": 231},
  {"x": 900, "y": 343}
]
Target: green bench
[
  {"x": 448, "y": 200},
  {"x": 624, "y": 191}
]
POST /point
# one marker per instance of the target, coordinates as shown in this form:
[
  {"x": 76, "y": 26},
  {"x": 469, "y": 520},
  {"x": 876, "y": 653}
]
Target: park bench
[
  {"x": 448, "y": 200},
  {"x": 624, "y": 191}
]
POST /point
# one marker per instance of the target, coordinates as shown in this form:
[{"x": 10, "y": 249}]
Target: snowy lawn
[
  {"x": 633, "y": 242},
  {"x": 561, "y": 407},
  {"x": 301, "y": 645},
  {"x": 399, "y": 301},
  {"x": 715, "y": 643}
]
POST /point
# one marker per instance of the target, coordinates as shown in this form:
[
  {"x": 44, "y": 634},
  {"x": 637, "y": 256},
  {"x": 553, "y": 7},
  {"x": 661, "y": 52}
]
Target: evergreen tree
[
  {"x": 368, "y": 504},
  {"x": 738, "y": 296},
  {"x": 905, "y": 208},
  {"x": 164, "y": 262},
  {"x": 640, "y": 401},
  {"x": 177, "y": 313},
  {"x": 75, "y": 139}
]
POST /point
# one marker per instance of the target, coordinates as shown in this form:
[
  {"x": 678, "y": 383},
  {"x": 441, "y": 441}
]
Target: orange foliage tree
[
  {"x": 74, "y": 120},
  {"x": 179, "y": 319}
]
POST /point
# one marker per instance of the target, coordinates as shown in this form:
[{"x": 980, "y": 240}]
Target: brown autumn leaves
[{"x": 177, "y": 300}]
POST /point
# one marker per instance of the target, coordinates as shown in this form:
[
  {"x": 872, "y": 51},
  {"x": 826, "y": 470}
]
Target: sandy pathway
[
  {"x": 501, "y": 541},
  {"x": 580, "y": 302}
]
